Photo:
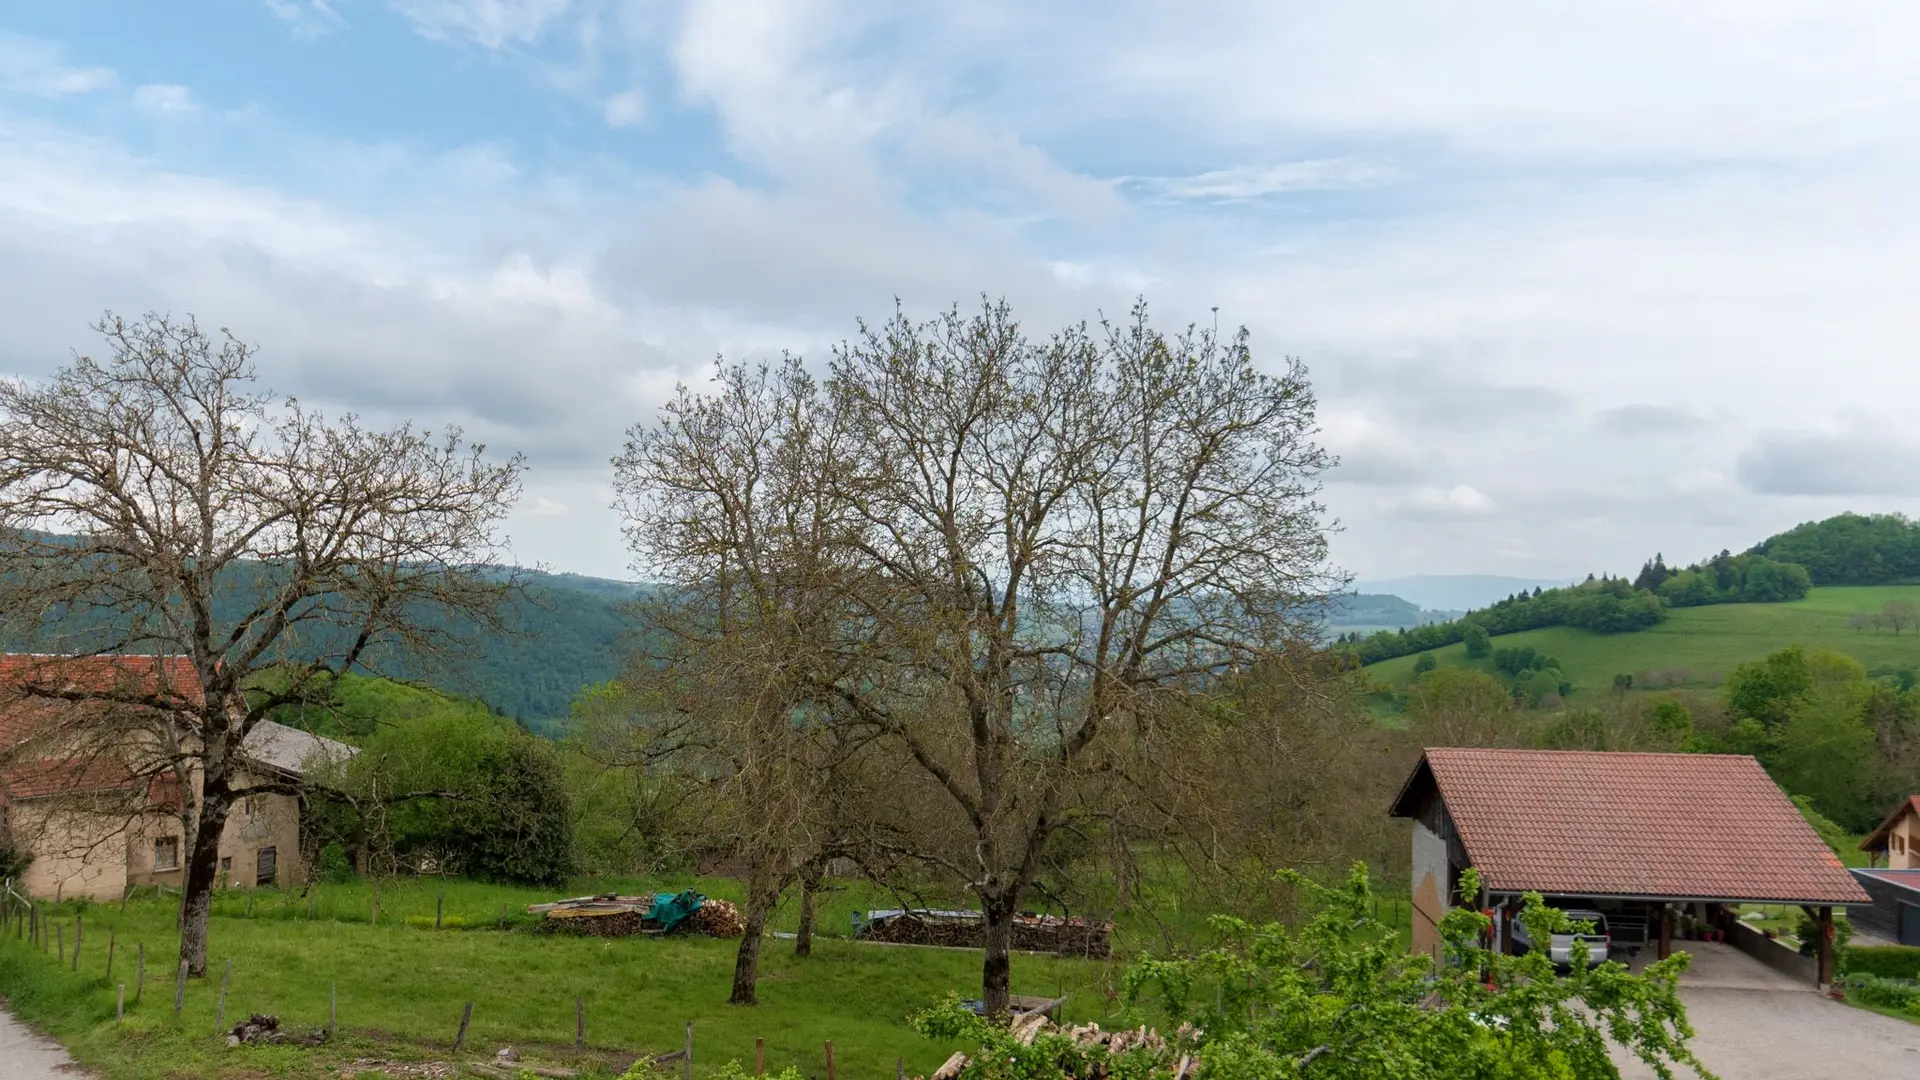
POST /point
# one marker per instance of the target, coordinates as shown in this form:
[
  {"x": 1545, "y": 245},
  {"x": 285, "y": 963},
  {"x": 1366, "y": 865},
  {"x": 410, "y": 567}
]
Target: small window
[
  {"x": 264, "y": 867},
  {"x": 166, "y": 853},
  {"x": 226, "y": 864}
]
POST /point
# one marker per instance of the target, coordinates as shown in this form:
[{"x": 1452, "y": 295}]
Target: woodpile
[
  {"x": 1098, "y": 1043},
  {"x": 1064, "y": 936},
  {"x": 718, "y": 918}
]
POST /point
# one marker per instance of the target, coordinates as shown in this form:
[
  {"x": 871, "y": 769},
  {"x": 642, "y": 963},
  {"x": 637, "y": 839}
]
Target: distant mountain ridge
[{"x": 1457, "y": 592}]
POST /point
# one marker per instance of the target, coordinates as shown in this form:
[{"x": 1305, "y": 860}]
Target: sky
[{"x": 1574, "y": 283}]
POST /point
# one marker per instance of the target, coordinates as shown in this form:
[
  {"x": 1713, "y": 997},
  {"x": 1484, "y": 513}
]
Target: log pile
[
  {"x": 611, "y": 915},
  {"x": 718, "y": 918},
  {"x": 1064, "y": 936},
  {"x": 1099, "y": 1045}
]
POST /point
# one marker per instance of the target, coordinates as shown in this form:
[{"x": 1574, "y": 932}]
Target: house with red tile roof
[
  {"x": 91, "y": 792},
  {"x": 1895, "y": 844},
  {"x": 1647, "y": 836}
]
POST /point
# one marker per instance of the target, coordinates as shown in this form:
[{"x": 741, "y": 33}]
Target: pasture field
[
  {"x": 401, "y": 985},
  {"x": 1698, "y": 646}
]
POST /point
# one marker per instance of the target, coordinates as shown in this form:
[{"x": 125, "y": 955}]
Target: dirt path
[{"x": 27, "y": 1056}]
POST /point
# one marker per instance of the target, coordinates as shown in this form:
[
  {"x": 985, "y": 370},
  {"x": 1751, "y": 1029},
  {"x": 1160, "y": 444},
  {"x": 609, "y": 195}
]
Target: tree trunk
[
  {"x": 803, "y": 939},
  {"x": 746, "y": 963},
  {"x": 202, "y": 873},
  {"x": 996, "y": 972}
]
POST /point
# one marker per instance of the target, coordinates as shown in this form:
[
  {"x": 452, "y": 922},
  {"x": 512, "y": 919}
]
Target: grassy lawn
[
  {"x": 1707, "y": 642},
  {"x": 401, "y": 987}
]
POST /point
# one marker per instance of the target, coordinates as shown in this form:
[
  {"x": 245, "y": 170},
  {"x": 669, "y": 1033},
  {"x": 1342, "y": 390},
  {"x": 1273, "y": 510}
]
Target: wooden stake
[
  {"x": 830, "y": 1060},
  {"x": 759, "y": 1057},
  {"x": 686, "y": 1061},
  {"x": 120, "y": 1005},
  {"x": 333, "y": 1008},
  {"x": 899, "y": 1068},
  {"x": 466, "y": 1017},
  {"x": 220, "y": 1013},
  {"x": 180, "y": 990},
  {"x": 139, "y": 970},
  {"x": 76, "y": 943},
  {"x": 439, "y": 908},
  {"x": 60, "y": 936},
  {"x": 579, "y": 1023},
  {"x": 249, "y": 904},
  {"x": 111, "y": 932},
  {"x": 502, "y": 924}
]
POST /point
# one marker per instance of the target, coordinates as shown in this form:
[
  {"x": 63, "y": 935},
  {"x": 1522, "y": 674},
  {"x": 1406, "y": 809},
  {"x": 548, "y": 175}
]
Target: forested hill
[
  {"x": 567, "y": 633},
  {"x": 1851, "y": 549}
]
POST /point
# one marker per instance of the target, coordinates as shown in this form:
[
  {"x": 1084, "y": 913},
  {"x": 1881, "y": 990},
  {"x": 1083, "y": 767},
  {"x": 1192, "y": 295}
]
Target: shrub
[
  {"x": 1902, "y": 994},
  {"x": 1885, "y": 961},
  {"x": 1425, "y": 663}
]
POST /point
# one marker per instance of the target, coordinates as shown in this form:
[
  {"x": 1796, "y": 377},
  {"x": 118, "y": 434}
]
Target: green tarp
[{"x": 671, "y": 909}]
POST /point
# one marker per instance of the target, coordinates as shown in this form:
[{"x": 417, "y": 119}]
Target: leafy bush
[
  {"x": 1886, "y": 961},
  {"x": 1902, "y": 994}
]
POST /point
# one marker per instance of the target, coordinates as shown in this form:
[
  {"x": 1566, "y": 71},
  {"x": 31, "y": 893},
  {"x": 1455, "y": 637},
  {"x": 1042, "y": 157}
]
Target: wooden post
[
  {"x": 139, "y": 970},
  {"x": 439, "y": 908},
  {"x": 759, "y": 1057},
  {"x": 1665, "y": 915},
  {"x": 373, "y": 919},
  {"x": 466, "y": 1017},
  {"x": 111, "y": 933},
  {"x": 180, "y": 990},
  {"x": 579, "y": 1023},
  {"x": 120, "y": 1005},
  {"x": 249, "y": 903},
  {"x": 333, "y": 1008},
  {"x": 830, "y": 1075},
  {"x": 686, "y": 1059},
  {"x": 899, "y": 1068},
  {"x": 76, "y": 942},
  {"x": 1823, "y": 947},
  {"x": 502, "y": 924},
  {"x": 220, "y": 1012},
  {"x": 60, "y": 938}
]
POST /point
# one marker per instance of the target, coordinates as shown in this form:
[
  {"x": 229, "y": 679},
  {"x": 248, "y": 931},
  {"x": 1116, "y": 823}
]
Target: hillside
[{"x": 1696, "y": 646}]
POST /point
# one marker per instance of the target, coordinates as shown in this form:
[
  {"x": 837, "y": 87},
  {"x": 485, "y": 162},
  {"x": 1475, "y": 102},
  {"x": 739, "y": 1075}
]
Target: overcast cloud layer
[{"x": 1574, "y": 287}]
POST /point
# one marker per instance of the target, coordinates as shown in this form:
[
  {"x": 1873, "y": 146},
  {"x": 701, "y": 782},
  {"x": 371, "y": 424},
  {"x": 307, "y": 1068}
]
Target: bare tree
[
  {"x": 1900, "y": 614},
  {"x": 1029, "y": 541},
  {"x": 155, "y": 501}
]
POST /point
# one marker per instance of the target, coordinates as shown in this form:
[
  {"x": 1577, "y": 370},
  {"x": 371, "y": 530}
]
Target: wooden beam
[{"x": 1823, "y": 945}]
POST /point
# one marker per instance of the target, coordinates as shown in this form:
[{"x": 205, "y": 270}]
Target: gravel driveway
[
  {"x": 1753, "y": 1023},
  {"x": 26, "y": 1056}
]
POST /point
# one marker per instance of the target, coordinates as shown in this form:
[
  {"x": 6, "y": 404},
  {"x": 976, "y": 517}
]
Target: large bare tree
[
  {"x": 157, "y": 501},
  {"x": 1030, "y": 539}
]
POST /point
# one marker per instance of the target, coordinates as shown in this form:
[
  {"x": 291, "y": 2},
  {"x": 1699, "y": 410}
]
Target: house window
[
  {"x": 166, "y": 853},
  {"x": 226, "y": 867},
  {"x": 264, "y": 867}
]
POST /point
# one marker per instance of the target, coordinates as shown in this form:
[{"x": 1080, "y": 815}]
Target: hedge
[
  {"x": 1901, "y": 994},
  {"x": 1886, "y": 961}
]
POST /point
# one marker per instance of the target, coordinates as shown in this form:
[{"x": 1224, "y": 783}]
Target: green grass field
[
  {"x": 1700, "y": 645},
  {"x": 401, "y": 987}
]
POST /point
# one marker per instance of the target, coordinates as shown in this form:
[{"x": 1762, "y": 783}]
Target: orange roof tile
[{"x": 1591, "y": 823}]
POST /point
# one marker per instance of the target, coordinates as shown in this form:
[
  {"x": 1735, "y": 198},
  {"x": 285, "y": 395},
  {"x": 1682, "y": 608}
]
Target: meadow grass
[
  {"x": 1707, "y": 642},
  {"x": 401, "y": 987}
]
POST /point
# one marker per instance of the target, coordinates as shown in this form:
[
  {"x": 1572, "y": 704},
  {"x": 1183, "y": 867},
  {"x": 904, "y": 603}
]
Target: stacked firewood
[
  {"x": 718, "y": 918},
  {"x": 1030, "y": 933}
]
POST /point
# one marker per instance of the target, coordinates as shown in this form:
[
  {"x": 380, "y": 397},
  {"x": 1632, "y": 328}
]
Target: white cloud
[
  {"x": 1458, "y": 499},
  {"x": 39, "y": 68},
  {"x": 625, "y": 109},
  {"x": 307, "y": 18},
  {"x": 164, "y": 99},
  {"x": 1257, "y": 181},
  {"x": 545, "y": 507},
  {"x": 492, "y": 23}
]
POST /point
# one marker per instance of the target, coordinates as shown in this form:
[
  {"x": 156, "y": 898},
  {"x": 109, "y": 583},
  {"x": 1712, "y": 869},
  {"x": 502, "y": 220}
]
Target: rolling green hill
[{"x": 1696, "y": 647}]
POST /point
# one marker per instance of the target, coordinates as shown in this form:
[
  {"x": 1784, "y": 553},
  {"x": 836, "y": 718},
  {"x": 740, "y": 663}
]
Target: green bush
[
  {"x": 1885, "y": 961},
  {"x": 1902, "y": 994}
]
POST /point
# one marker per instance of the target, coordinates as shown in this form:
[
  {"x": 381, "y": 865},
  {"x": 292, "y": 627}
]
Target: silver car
[{"x": 1562, "y": 947}]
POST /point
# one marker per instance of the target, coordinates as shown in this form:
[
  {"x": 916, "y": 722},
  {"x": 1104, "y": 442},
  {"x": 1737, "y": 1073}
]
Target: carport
[{"x": 1641, "y": 837}]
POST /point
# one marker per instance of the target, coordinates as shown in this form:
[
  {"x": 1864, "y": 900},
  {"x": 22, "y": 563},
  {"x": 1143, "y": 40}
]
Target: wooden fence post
[
  {"x": 759, "y": 1057},
  {"x": 686, "y": 1064},
  {"x": 579, "y": 1023},
  {"x": 899, "y": 1068},
  {"x": 466, "y": 1016},
  {"x": 120, "y": 1005},
  {"x": 112, "y": 932},
  {"x": 60, "y": 938},
  {"x": 830, "y": 1075},
  {"x": 502, "y": 924},
  {"x": 76, "y": 942},
  {"x": 139, "y": 970},
  {"x": 180, "y": 990},
  {"x": 220, "y": 1012},
  {"x": 439, "y": 908},
  {"x": 333, "y": 1008}
]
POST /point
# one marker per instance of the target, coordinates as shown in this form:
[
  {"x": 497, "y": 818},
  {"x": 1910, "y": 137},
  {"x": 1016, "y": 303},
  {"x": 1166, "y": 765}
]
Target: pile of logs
[
  {"x": 718, "y": 918},
  {"x": 1057, "y": 934},
  {"x": 623, "y": 916},
  {"x": 1088, "y": 1037}
]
